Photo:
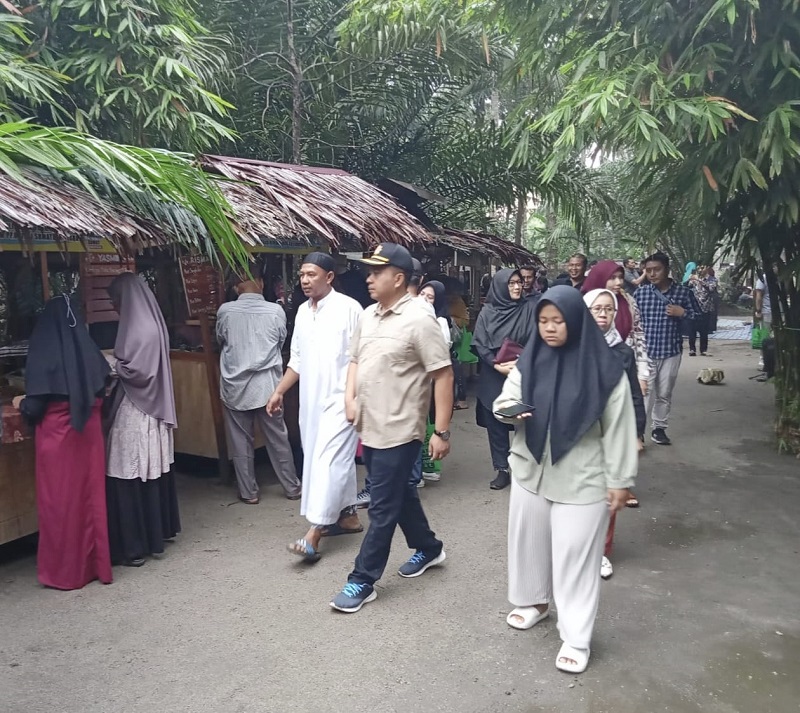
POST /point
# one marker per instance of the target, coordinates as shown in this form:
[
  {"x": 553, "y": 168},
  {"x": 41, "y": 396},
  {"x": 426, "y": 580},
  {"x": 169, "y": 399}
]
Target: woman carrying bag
[
  {"x": 572, "y": 458},
  {"x": 504, "y": 325}
]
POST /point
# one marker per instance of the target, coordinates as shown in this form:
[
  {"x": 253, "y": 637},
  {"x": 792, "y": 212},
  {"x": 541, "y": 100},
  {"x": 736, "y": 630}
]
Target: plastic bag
[{"x": 758, "y": 335}]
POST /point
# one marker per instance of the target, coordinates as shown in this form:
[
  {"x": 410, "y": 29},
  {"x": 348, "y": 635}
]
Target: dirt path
[{"x": 701, "y": 615}]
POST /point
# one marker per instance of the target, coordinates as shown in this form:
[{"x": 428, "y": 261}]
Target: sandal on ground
[
  {"x": 294, "y": 496},
  {"x": 337, "y": 529},
  {"x": 530, "y": 616},
  {"x": 250, "y": 501},
  {"x": 632, "y": 501},
  {"x": 301, "y": 548},
  {"x": 460, "y": 406},
  {"x": 572, "y": 660}
]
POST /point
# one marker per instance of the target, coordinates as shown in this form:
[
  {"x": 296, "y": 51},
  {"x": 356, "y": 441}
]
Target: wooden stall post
[
  {"x": 203, "y": 287},
  {"x": 45, "y": 276},
  {"x": 212, "y": 373}
]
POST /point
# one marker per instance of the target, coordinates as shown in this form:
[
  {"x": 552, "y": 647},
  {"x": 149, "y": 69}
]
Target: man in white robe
[{"x": 319, "y": 360}]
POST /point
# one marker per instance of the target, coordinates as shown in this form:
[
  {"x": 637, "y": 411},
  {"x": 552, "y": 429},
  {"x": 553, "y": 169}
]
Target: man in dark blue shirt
[{"x": 664, "y": 305}]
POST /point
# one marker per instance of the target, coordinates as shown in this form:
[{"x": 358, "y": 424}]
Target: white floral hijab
[{"x": 611, "y": 335}]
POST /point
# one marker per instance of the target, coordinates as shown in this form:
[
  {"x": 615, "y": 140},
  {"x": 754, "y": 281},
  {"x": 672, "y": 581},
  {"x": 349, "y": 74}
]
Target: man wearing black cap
[
  {"x": 363, "y": 499},
  {"x": 396, "y": 351},
  {"x": 416, "y": 277},
  {"x": 323, "y": 328}
]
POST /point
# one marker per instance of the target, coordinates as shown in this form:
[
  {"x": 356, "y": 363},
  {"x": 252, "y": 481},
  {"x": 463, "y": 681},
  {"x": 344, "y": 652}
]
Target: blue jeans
[
  {"x": 394, "y": 501},
  {"x": 416, "y": 473}
]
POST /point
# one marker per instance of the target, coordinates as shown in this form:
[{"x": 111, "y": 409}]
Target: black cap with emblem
[{"x": 387, "y": 254}]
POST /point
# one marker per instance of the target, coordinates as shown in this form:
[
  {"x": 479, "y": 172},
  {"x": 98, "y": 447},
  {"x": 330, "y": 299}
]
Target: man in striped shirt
[{"x": 664, "y": 305}]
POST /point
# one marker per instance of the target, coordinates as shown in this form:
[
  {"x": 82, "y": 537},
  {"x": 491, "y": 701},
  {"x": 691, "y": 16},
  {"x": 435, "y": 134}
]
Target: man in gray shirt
[
  {"x": 250, "y": 333},
  {"x": 633, "y": 277}
]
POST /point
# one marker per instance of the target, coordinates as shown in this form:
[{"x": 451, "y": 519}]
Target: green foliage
[
  {"x": 145, "y": 73},
  {"x": 23, "y": 82},
  {"x": 703, "y": 96},
  {"x": 710, "y": 86},
  {"x": 415, "y": 91}
]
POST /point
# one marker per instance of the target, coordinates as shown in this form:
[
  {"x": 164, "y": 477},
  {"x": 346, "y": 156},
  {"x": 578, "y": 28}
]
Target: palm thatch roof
[
  {"x": 273, "y": 204},
  {"x": 487, "y": 244},
  {"x": 276, "y": 202},
  {"x": 45, "y": 206}
]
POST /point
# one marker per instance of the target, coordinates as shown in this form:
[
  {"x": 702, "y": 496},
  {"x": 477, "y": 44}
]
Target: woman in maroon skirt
[{"x": 65, "y": 379}]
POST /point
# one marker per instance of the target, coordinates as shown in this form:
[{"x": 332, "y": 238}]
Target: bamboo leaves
[{"x": 184, "y": 204}]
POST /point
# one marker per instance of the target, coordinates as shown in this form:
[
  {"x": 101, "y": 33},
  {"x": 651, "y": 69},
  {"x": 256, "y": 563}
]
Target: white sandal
[
  {"x": 579, "y": 656},
  {"x": 530, "y": 617}
]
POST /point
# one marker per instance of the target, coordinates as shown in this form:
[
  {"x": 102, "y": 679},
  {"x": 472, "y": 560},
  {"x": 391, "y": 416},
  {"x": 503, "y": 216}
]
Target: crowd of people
[{"x": 568, "y": 375}]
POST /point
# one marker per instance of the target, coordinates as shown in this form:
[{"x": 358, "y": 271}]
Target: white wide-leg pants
[{"x": 554, "y": 554}]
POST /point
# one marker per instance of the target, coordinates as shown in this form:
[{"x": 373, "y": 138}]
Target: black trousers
[
  {"x": 498, "y": 436},
  {"x": 394, "y": 501},
  {"x": 458, "y": 377},
  {"x": 700, "y": 325}
]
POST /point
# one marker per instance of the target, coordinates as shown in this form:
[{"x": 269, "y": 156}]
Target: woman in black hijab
[
  {"x": 65, "y": 378},
  {"x": 506, "y": 319},
  {"x": 572, "y": 461}
]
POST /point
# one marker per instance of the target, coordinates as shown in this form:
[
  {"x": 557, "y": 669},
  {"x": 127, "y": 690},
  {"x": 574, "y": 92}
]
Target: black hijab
[
  {"x": 568, "y": 385},
  {"x": 440, "y": 298},
  {"x": 64, "y": 361},
  {"x": 503, "y": 318}
]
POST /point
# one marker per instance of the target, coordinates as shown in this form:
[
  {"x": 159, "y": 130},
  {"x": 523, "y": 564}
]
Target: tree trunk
[
  {"x": 779, "y": 246},
  {"x": 296, "y": 76},
  {"x": 787, "y": 388},
  {"x": 522, "y": 214}
]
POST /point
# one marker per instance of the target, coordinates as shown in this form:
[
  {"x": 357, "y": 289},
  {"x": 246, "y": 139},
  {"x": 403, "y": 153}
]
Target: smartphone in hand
[{"x": 514, "y": 410}]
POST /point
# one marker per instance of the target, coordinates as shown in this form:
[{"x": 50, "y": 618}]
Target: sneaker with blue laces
[
  {"x": 419, "y": 562},
  {"x": 354, "y": 596}
]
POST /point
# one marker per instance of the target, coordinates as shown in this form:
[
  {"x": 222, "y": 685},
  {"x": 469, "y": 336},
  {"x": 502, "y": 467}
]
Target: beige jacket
[{"x": 606, "y": 457}]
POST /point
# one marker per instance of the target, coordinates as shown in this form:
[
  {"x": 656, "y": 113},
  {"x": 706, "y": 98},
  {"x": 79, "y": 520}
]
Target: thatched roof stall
[
  {"x": 46, "y": 209},
  {"x": 466, "y": 241},
  {"x": 415, "y": 199},
  {"x": 278, "y": 204}
]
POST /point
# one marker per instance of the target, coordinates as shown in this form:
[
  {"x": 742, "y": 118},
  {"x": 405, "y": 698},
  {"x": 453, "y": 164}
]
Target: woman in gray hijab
[{"x": 142, "y": 502}]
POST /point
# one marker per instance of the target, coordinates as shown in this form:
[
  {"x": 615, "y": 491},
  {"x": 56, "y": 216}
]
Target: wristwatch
[{"x": 444, "y": 435}]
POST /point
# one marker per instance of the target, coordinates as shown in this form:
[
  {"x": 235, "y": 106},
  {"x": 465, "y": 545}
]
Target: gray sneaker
[
  {"x": 354, "y": 596},
  {"x": 419, "y": 562},
  {"x": 363, "y": 499}
]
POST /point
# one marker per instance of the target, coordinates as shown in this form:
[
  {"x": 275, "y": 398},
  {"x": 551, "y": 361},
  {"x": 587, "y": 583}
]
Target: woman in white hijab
[{"x": 602, "y": 304}]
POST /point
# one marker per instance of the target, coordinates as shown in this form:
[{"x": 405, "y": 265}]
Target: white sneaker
[
  {"x": 433, "y": 477},
  {"x": 421, "y": 484},
  {"x": 606, "y": 570}
]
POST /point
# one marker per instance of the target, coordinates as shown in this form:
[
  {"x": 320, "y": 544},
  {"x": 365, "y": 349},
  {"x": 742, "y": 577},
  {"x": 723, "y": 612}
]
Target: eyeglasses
[
  {"x": 603, "y": 310},
  {"x": 514, "y": 283}
]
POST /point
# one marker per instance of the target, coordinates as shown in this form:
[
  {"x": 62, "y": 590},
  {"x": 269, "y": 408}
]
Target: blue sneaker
[
  {"x": 354, "y": 596},
  {"x": 419, "y": 562}
]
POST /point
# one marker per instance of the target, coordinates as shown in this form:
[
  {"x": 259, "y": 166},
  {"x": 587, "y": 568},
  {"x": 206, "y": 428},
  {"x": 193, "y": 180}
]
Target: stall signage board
[
  {"x": 98, "y": 270},
  {"x": 202, "y": 285}
]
